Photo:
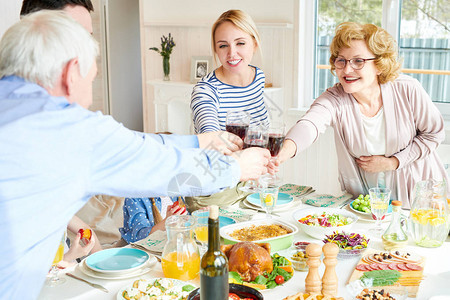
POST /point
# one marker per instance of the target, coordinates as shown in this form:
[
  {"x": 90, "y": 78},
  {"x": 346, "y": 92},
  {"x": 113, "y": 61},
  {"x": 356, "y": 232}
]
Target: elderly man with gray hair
[{"x": 53, "y": 146}]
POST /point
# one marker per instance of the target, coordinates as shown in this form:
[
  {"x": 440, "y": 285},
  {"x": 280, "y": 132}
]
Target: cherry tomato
[
  {"x": 279, "y": 279},
  {"x": 233, "y": 296}
]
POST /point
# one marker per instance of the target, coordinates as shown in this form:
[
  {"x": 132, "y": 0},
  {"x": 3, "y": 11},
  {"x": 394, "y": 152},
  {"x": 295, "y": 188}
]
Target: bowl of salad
[
  {"x": 319, "y": 222},
  {"x": 350, "y": 244}
]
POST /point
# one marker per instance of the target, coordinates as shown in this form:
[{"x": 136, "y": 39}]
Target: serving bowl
[
  {"x": 242, "y": 291},
  {"x": 350, "y": 253},
  {"x": 276, "y": 243},
  {"x": 319, "y": 232}
]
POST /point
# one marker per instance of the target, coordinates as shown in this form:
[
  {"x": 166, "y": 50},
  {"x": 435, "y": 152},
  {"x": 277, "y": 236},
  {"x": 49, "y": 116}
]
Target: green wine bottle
[{"x": 214, "y": 264}]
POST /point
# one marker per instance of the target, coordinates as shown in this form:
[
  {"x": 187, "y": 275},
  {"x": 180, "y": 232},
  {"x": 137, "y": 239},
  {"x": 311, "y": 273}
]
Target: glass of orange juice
[
  {"x": 201, "y": 232},
  {"x": 53, "y": 278}
]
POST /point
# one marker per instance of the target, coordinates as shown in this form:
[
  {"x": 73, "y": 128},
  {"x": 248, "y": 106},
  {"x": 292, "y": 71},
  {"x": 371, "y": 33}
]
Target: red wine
[
  {"x": 239, "y": 130},
  {"x": 214, "y": 264},
  {"x": 255, "y": 143},
  {"x": 275, "y": 143}
]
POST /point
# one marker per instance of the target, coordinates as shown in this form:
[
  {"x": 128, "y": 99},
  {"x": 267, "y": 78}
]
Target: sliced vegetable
[
  {"x": 345, "y": 241},
  {"x": 287, "y": 268},
  {"x": 326, "y": 220},
  {"x": 187, "y": 288}
]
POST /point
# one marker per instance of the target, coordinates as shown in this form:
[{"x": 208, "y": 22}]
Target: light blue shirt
[{"x": 54, "y": 156}]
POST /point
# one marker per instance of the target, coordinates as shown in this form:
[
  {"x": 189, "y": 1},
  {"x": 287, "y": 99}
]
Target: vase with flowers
[{"x": 167, "y": 45}]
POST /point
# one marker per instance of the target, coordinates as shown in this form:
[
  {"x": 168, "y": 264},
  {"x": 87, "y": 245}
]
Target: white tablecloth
[{"x": 436, "y": 284}]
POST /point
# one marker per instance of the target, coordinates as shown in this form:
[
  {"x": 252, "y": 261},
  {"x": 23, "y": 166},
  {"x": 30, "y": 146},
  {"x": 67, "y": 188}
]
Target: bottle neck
[{"x": 213, "y": 235}]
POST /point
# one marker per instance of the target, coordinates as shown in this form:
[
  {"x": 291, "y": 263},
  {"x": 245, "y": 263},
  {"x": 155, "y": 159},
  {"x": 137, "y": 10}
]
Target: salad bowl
[{"x": 318, "y": 222}]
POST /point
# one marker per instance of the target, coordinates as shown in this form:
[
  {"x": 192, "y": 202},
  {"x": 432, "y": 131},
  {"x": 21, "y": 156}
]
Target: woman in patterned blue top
[
  {"x": 138, "y": 218},
  {"x": 235, "y": 85}
]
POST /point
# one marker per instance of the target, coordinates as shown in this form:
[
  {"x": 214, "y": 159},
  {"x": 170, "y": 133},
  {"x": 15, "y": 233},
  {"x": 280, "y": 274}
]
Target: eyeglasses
[{"x": 355, "y": 63}]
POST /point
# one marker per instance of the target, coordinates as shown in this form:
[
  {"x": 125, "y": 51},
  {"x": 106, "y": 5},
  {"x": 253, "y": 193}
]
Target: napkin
[
  {"x": 296, "y": 190},
  {"x": 154, "y": 243},
  {"x": 326, "y": 200},
  {"x": 237, "y": 214}
]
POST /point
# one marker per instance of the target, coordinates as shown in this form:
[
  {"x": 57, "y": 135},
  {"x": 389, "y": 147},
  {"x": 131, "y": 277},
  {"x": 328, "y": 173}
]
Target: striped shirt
[{"x": 211, "y": 100}]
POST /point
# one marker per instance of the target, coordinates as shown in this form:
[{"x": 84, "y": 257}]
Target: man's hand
[
  {"x": 253, "y": 162},
  {"x": 377, "y": 163},
  {"x": 222, "y": 141}
]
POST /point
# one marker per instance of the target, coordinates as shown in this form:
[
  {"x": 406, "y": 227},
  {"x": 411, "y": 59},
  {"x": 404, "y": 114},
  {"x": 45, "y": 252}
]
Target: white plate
[
  {"x": 367, "y": 217},
  {"x": 117, "y": 260},
  {"x": 368, "y": 214},
  {"x": 176, "y": 282},
  {"x": 297, "y": 203},
  {"x": 144, "y": 269}
]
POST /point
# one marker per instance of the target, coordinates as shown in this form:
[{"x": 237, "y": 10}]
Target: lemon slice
[
  {"x": 269, "y": 200},
  {"x": 437, "y": 221}
]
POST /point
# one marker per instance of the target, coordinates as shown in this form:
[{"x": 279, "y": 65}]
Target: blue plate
[
  {"x": 117, "y": 260},
  {"x": 283, "y": 199},
  {"x": 223, "y": 221}
]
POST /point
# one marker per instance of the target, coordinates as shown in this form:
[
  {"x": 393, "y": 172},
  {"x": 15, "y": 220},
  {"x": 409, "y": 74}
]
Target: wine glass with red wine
[
  {"x": 237, "y": 122},
  {"x": 257, "y": 136},
  {"x": 276, "y": 138}
]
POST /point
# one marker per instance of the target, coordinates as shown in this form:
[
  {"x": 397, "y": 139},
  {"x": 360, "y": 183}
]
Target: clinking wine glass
[
  {"x": 53, "y": 279},
  {"x": 237, "y": 122},
  {"x": 276, "y": 138},
  {"x": 257, "y": 136},
  {"x": 379, "y": 203}
]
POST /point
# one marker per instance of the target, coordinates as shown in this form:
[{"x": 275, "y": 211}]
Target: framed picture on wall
[{"x": 200, "y": 66}]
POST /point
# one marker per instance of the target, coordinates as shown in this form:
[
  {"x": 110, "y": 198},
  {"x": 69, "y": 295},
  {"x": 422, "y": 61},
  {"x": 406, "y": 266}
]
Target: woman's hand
[
  {"x": 222, "y": 141},
  {"x": 377, "y": 163},
  {"x": 174, "y": 209},
  {"x": 287, "y": 151},
  {"x": 77, "y": 250}
]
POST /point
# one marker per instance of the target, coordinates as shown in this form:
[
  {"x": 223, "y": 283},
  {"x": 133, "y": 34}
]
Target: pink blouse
[{"x": 414, "y": 129}]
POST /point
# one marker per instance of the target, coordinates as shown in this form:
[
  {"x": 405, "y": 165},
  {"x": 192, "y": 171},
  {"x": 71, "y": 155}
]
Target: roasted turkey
[{"x": 248, "y": 259}]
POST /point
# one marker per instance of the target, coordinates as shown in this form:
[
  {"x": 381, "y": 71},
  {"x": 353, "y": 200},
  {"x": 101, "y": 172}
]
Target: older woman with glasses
[{"x": 386, "y": 127}]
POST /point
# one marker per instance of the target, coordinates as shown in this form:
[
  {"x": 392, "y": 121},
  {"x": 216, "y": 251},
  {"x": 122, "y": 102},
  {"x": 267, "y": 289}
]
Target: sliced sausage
[
  {"x": 414, "y": 267},
  {"x": 393, "y": 267},
  {"x": 361, "y": 267}
]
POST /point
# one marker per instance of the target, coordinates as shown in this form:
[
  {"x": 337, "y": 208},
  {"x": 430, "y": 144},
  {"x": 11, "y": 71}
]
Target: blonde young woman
[
  {"x": 386, "y": 127},
  {"x": 236, "y": 84}
]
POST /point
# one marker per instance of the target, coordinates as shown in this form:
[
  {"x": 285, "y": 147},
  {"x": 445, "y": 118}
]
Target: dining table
[{"x": 435, "y": 284}]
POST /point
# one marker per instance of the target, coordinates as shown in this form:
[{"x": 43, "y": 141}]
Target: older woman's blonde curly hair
[{"x": 378, "y": 40}]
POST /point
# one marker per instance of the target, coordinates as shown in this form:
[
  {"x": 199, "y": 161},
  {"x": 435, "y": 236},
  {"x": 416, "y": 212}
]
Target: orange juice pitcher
[
  {"x": 429, "y": 216},
  {"x": 180, "y": 257}
]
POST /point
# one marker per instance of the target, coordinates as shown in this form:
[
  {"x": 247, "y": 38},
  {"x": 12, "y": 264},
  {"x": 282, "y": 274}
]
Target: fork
[{"x": 97, "y": 286}]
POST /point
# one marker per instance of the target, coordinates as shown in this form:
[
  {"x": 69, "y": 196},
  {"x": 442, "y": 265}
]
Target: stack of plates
[
  {"x": 284, "y": 202},
  {"x": 117, "y": 263}
]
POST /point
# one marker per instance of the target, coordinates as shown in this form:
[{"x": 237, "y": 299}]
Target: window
[{"x": 422, "y": 28}]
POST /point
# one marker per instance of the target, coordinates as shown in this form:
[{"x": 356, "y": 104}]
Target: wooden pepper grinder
[
  {"x": 329, "y": 279},
  {"x": 313, "y": 284}
]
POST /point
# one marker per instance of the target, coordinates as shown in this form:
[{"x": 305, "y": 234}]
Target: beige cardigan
[{"x": 414, "y": 129}]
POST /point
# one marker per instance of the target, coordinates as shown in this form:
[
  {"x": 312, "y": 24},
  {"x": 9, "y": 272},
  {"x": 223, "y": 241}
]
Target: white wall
[
  {"x": 10, "y": 10},
  {"x": 276, "y": 20}
]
